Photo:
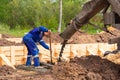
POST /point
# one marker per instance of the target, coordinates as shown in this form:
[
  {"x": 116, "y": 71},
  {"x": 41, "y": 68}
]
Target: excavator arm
[{"x": 90, "y": 9}]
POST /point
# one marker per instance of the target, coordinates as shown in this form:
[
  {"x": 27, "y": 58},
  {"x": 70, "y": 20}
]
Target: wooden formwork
[{"x": 17, "y": 54}]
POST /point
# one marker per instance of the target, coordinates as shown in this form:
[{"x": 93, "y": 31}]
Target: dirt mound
[
  {"x": 87, "y": 68},
  {"x": 79, "y": 38},
  {"x": 4, "y": 42},
  {"x": 69, "y": 71},
  {"x": 83, "y": 68},
  {"x": 6, "y": 70},
  {"x": 7, "y": 36}
]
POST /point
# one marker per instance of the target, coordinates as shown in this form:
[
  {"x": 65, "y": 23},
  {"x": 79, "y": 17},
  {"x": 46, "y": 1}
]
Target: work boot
[
  {"x": 28, "y": 62},
  {"x": 36, "y": 61}
]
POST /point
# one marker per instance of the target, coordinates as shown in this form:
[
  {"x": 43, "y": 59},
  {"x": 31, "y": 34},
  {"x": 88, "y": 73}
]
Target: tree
[{"x": 60, "y": 16}]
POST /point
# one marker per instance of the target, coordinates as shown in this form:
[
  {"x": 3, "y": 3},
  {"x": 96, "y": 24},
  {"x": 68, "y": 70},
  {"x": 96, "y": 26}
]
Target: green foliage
[
  {"x": 18, "y": 32},
  {"x": 71, "y": 10},
  {"x": 27, "y": 14},
  {"x": 3, "y": 10},
  {"x": 31, "y": 13},
  {"x": 96, "y": 20}
]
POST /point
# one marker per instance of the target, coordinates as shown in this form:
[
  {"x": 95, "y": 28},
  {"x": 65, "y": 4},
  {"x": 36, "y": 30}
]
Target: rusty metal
[
  {"x": 90, "y": 9},
  {"x": 62, "y": 48}
]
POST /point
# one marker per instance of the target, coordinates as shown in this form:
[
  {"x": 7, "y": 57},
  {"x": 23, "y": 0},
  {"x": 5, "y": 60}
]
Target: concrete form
[{"x": 16, "y": 55}]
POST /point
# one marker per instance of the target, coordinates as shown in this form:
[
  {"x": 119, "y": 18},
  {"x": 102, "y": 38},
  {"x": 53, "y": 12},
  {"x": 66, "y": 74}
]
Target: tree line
[{"x": 33, "y": 13}]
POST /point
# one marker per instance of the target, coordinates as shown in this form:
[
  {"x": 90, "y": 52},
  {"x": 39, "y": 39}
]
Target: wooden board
[
  {"x": 5, "y": 59},
  {"x": 17, "y": 55}
]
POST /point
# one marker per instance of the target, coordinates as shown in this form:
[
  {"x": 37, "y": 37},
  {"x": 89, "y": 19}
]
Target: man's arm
[{"x": 41, "y": 42}]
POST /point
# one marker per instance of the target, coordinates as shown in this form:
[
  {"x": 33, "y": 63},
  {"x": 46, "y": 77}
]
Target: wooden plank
[
  {"x": 20, "y": 62},
  {"x": 20, "y": 58},
  {"x": 1, "y": 62},
  {"x": 87, "y": 52},
  {"x": 92, "y": 48},
  {"x": 19, "y": 53},
  {"x": 19, "y": 50},
  {"x": 55, "y": 53},
  {"x": 100, "y": 52},
  {"x": 25, "y": 51},
  {"x": 5, "y": 50},
  {"x": 103, "y": 46},
  {"x": 19, "y": 47},
  {"x": 12, "y": 54},
  {"x": 81, "y": 50},
  {"x": 71, "y": 54},
  {"x": 5, "y": 59},
  {"x": 44, "y": 56},
  {"x": 90, "y": 52},
  {"x": 112, "y": 47},
  {"x": 70, "y": 51},
  {"x": 6, "y": 53},
  {"x": 0, "y": 49},
  {"x": 48, "y": 56}
]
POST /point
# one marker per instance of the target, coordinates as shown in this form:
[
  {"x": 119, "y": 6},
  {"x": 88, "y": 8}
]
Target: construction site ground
[{"x": 82, "y": 68}]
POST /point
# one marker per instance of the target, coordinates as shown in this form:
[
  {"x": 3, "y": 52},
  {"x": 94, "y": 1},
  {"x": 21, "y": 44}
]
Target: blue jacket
[{"x": 37, "y": 34}]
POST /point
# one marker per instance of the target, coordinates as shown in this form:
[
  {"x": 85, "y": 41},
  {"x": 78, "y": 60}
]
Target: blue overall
[{"x": 30, "y": 40}]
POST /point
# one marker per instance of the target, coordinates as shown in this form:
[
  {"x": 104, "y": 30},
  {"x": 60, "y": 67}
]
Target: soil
[
  {"x": 82, "y": 68},
  {"x": 87, "y": 68},
  {"x": 4, "y": 42},
  {"x": 77, "y": 38}
]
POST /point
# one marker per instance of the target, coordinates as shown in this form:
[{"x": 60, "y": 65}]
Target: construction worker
[{"x": 30, "y": 40}]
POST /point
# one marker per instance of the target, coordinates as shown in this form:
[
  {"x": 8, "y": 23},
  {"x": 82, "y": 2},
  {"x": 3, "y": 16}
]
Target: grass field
[
  {"x": 15, "y": 32},
  {"x": 18, "y": 32}
]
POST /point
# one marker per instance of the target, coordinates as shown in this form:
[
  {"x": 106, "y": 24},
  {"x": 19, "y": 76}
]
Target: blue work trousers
[{"x": 33, "y": 51}]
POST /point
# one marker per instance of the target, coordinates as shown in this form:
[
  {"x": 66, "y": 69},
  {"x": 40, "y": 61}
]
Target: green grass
[
  {"x": 18, "y": 32},
  {"x": 14, "y": 32},
  {"x": 90, "y": 29}
]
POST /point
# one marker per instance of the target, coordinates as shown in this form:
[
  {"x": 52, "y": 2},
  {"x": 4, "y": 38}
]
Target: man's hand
[{"x": 49, "y": 32}]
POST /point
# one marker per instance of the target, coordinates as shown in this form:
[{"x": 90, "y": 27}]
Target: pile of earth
[
  {"x": 83, "y": 37},
  {"x": 77, "y": 38},
  {"x": 83, "y": 68},
  {"x": 6, "y": 70},
  {"x": 7, "y": 36},
  {"x": 8, "y": 73},
  {"x": 4, "y": 42},
  {"x": 87, "y": 68}
]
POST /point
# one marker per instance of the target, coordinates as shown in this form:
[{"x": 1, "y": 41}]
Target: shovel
[{"x": 50, "y": 49}]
